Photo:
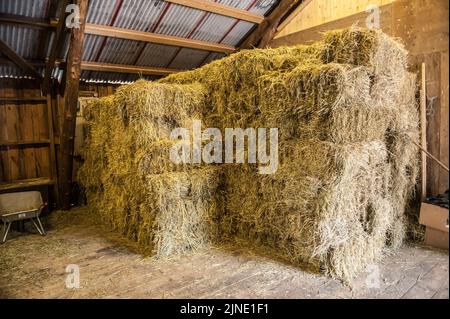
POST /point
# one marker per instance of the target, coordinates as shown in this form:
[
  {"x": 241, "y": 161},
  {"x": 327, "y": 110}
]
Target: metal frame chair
[{"x": 20, "y": 206}]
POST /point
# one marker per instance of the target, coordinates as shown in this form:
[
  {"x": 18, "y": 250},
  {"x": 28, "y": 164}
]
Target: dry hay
[
  {"x": 346, "y": 112},
  {"x": 327, "y": 206},
  {"x": 126, "y": 156}
]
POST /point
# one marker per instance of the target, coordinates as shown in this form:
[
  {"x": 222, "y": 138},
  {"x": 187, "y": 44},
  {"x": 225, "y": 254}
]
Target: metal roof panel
[
  {"x": 29, "y": 8},
  {"x": 188, "y": 59},
  {"x": 144, "y": 15}
]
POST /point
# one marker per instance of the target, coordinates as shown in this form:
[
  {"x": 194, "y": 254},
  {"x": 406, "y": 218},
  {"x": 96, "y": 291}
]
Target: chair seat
[{"x": 20, "y": 202}]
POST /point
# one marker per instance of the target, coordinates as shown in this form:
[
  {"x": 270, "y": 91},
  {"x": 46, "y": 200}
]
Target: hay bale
[
  {"x": 404, "y": 157},
  {"x": 188, "y": 206},
  {"x": 345, "y": 108},
  {"x": 330, "y": 102},
  {"x": 154, "y": 109},
  {"x": 130, "y": 179},
  {"x": 327, "y": 206},
  {"x": 346, "y": 89}
]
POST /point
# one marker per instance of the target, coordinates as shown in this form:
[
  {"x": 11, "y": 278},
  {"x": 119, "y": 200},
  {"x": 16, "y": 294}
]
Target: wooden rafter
[
  {"x": 70, "y": 106},
  {"x": 28, "y": 21},
  {"x": 57, "y": 45},
  {"x": 265, "y": 31},
  {"x": 18, "y": 60},
  {"x": 121, "y": 33},
  {"x": 36, "y": 63},
  {"x": 121, "y": 68},
  {"x": 221, "y": 9}
]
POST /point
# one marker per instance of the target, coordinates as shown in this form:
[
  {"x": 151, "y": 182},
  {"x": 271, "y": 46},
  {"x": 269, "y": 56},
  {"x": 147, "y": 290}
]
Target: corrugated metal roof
[
  {"x": 120, "y": 51},
  {"x": 188, "y": 59},
  {"x": 101, "y": 11},
  {"x": 156, "y": 55},
  {"x": 29, "y": 8},
  {"x": 91, "y": 46},
  {"x": 139, "y": 15},
  {"x": 23, "y": 40},
  {"x": 156, "y": 16}
]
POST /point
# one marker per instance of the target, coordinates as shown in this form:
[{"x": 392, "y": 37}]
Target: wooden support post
[
  {"x": 51, "y": 136},
  {"x": 423, "y": 128},
  {"x": 70, "y": 108},
  {"x": 58, "y": 43}
]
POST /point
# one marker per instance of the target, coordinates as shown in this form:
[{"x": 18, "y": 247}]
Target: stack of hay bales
[
  {"x": 128, "y": 176},
  {"x": 345, "y": 109}
]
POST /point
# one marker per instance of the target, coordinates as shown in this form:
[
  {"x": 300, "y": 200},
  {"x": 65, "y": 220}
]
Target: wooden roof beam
[
  {"x": 18, "y": 60},
  {"x": 220, "y": 9},
  {"x": 57, "y": 45},
  {"x": 27, "y": 21},
  {"x": 265, "y": 31},
  {"x": 108, "y": 31},
  {"x": 122, "y": 68}
]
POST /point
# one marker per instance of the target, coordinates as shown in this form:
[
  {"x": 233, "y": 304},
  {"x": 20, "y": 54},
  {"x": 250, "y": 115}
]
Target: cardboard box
[
  {"x": 436, "y": 238},
  {"x": 435, "y": 218}
]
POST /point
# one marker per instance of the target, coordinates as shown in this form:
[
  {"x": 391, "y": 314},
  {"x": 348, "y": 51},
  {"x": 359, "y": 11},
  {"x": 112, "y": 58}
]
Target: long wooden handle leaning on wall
[{"x": 431, "y": 156}]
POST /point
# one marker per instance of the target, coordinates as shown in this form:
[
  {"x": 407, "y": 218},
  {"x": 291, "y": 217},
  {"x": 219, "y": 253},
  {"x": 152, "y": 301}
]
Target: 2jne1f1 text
[{"x": 228, "y": 309}]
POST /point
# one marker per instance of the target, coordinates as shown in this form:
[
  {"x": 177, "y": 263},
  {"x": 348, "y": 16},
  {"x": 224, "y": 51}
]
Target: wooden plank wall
[
  {"x": 100, "y": 89},
  {"x": 319, "y": 12},
  {"x": 28, "y": 121},
  {"x": 20, "y": 122},
  {"x": 423, "y": 26}
]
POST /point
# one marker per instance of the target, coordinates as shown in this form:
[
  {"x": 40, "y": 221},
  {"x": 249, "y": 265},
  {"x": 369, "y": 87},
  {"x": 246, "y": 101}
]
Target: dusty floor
[{"x": 35, "y": 267}]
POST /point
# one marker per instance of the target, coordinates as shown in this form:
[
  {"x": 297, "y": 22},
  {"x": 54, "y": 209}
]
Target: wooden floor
[{"x": 35, "y": 267}]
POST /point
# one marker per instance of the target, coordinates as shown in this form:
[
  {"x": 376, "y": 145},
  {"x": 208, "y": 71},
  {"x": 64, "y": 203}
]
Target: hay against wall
[
  {"x": 338, "y": 197},
  {"x": 352, "y": 87},
  {"x": 405, "y": 169}
]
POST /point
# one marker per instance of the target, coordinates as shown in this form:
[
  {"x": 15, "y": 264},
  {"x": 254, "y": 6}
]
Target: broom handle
[{"x": 431, "y": 156}]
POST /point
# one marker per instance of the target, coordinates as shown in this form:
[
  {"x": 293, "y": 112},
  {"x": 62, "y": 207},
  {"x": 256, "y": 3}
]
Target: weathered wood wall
[
  {"x": 25, "y": 139},
  {"x": 24, "y": 132},
  {"x": 423, "y": 25},
  {"x": 99, "y": 89}
]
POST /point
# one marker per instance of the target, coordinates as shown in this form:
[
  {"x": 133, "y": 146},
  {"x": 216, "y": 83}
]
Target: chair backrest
[{"x": 21, "y": 201}]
